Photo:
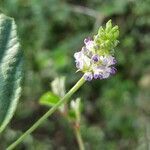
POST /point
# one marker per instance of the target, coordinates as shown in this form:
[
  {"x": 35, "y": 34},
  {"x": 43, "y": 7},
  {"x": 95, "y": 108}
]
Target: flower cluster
[{"x": 96, "y": 58}]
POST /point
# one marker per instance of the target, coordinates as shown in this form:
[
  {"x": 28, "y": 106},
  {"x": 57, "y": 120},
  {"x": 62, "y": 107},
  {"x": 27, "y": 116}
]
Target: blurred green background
[{"x": 115, "y": 111}]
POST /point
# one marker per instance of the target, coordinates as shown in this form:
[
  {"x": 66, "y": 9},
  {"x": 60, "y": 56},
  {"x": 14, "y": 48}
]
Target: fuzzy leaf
[{"x": 10, "y": 70}]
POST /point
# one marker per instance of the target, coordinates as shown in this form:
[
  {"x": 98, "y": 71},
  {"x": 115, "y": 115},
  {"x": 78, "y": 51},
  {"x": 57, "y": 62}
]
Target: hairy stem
[{"x": 47, "y": 114}]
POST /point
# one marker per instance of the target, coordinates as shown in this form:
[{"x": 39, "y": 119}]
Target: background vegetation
[{"x": 115, "y": 111}]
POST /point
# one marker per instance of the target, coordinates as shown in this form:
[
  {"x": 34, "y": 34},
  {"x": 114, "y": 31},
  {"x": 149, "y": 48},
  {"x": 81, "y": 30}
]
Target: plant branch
[
  {"x": 79, "y": 137},
  {"x": 47, "y": 114}
]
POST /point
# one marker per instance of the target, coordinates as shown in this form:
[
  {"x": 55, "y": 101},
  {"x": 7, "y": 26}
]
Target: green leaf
[
  {"x": 49, "y": 99},
  {"x": 10, "y": 70},
  {"x": 71, "y": 115}
]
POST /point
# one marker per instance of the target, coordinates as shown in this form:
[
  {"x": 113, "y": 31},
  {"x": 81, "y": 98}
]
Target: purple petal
[
  {"x": 86, "y": 40},
  {"x": 77, "y": 55},
  {"x": 84, "y": 49},
  {"x": 100, "y": 76},
  {"x": 114, "y": 61},
  {"x": 95, "y": 58},
  {"x": 78, "y": 64},
  {"x": 105, "y": 75},
  {"x": 96, "y": 75},
  {"x": 88, "y": 76},
  {"x": 113, "y": 70},
  {"x": 111, "y": 60}
]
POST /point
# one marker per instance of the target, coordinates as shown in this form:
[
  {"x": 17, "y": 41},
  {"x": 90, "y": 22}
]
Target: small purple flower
[
  {"x": 114, "y": 61},
  {"x": 89, "y": 43},
  {"x": 104, "y": 71},
  {"x": 113, "y": 70},
  {"x": 104, "y": 60},
  {"x": 84, "y": 49},
  {"x": 88, "y": 76},
  {"x": 82, "y": 60},
  {"x": 95, "y": 58},
  {"x": 100, "y": 76},
  {"x": 96, "y": 75},
  {"x": 111, "y": 60},
  {"x": 108, "y": 60},
  {"x": 79, "y": 64},
  {"x": 77, "y": 55},
  {"x": 86, "y": 40},
  {"x": 105, "y": 75}
]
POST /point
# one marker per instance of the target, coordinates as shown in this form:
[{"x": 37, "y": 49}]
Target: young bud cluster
[{"x": 96, "y": 58}]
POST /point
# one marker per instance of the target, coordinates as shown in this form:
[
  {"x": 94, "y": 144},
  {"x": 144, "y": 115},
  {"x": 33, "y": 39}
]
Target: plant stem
[
  {"x": 48, "y": 113},
  {"x": 79, "y": 138}
]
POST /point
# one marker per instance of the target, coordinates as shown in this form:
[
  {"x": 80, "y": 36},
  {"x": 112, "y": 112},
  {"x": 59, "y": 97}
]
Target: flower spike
[{"x": 96, "y": 58}]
